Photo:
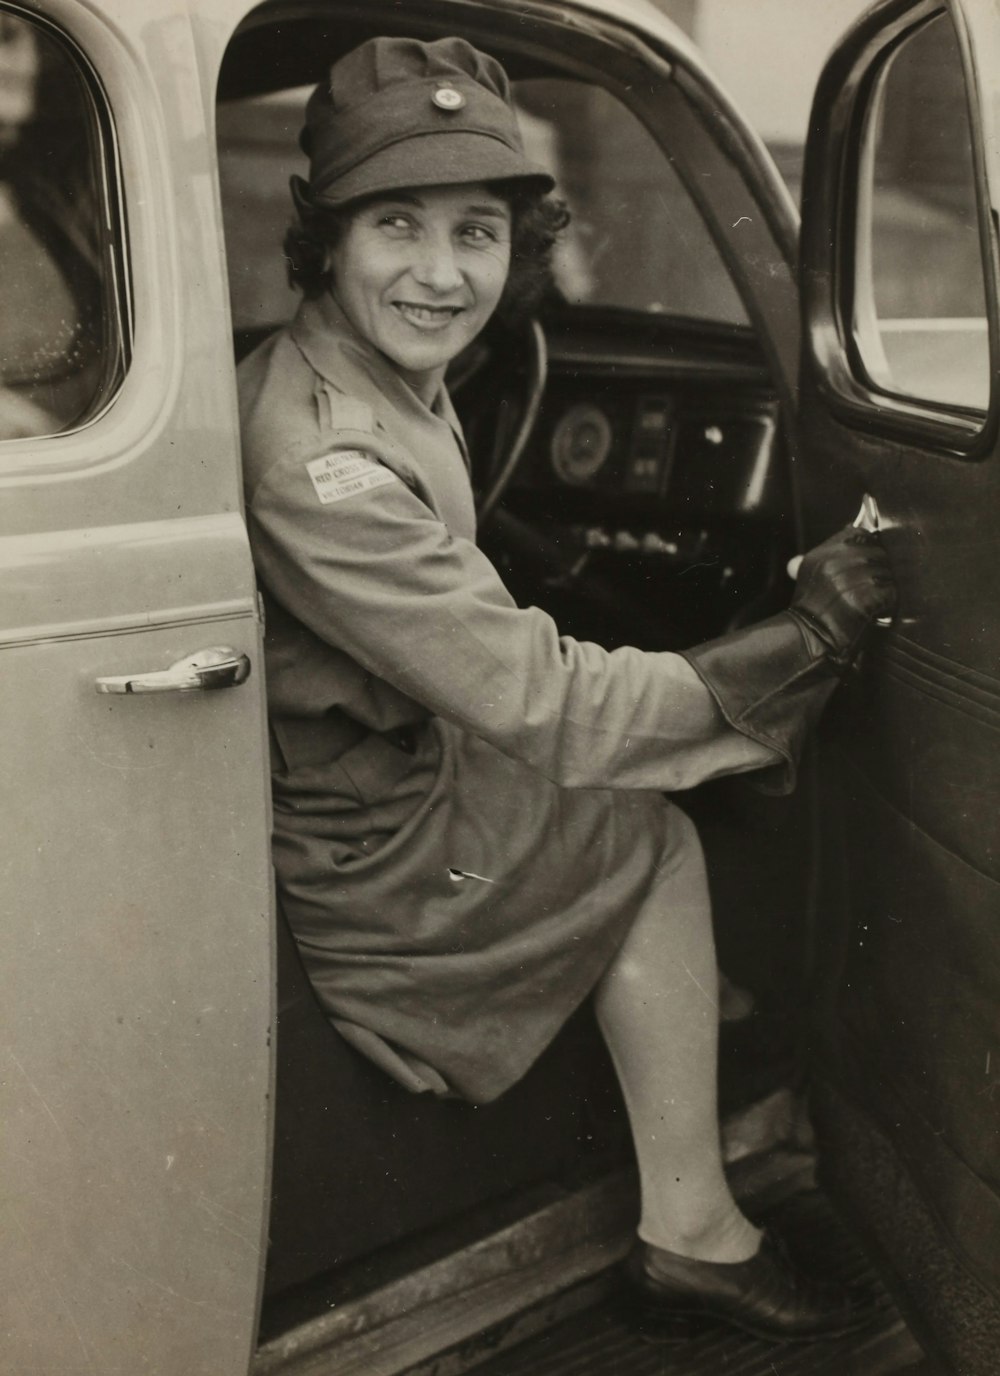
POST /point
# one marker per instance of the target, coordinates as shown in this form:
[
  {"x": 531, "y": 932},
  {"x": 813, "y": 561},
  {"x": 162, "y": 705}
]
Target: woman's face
[{"x": 418, "y": 274}]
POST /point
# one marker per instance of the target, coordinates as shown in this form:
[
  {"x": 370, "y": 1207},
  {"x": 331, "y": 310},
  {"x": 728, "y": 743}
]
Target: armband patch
[{"x": 346, "y": 473}]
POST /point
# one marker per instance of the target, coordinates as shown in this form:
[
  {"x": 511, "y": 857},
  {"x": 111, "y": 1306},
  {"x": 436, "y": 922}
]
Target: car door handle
[
  {"x": 214, "y": 667},
  {"x": 868, "y": 518}
]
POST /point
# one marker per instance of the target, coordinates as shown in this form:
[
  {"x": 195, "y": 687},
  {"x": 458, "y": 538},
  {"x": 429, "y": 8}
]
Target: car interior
[{"x": 631, "y": 459}]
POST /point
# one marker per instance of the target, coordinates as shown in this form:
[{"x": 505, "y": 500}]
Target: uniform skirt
[{"x": 452, "y": 906}]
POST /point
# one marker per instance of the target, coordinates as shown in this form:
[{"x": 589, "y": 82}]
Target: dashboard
[
  {"x": 651, "y": 503},
  {"x": 680, "y": 446}
]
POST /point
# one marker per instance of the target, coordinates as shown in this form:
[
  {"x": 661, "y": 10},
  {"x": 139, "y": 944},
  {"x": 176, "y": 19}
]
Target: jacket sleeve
[{"x": 371, "y": 570}]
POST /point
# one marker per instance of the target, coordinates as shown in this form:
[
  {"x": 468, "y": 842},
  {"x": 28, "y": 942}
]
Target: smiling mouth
[{"x": 427, "y": 317}]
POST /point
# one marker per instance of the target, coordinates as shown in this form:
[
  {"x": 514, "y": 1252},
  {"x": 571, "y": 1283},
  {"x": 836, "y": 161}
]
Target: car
[{"x": 202, "y": 1177}]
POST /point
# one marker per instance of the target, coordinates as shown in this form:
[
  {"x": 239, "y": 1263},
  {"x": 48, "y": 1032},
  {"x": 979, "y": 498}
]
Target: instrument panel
[
  {"x": 580, "y": 444},
  {"x": 687, "y": 449},
  {"x": 649, "y": 505}
]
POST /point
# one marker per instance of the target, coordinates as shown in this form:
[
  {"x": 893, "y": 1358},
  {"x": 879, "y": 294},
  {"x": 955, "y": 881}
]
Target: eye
[
  {"x": 479, "y": 234},
  {"x": 395, "y": 222}
]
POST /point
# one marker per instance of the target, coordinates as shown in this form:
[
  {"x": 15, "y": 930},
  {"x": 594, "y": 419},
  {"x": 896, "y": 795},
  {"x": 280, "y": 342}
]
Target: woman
[{"x": 470, "y": 833}]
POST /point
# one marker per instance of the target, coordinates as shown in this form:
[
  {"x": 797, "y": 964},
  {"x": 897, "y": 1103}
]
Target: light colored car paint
[{"x": 135, "y": 884}]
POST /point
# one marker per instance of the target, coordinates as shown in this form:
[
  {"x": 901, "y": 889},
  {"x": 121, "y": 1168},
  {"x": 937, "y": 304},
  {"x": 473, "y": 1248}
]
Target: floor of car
[
  {"x": 603, "y": 1338},
  {"x": 597, "y": 1334},
  {"x": 544, "y": 1295}
]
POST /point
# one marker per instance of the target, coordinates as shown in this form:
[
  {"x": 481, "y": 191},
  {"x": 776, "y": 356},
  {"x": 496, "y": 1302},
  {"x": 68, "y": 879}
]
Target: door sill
[{"x": 539, "y": 1270}]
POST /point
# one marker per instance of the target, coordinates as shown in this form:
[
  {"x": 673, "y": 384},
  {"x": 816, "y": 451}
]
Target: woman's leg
[{"x": 657, "y": 1006}]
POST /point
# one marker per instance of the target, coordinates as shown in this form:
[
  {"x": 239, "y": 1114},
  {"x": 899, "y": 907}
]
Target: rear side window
[{"x": 62, "y": 341}]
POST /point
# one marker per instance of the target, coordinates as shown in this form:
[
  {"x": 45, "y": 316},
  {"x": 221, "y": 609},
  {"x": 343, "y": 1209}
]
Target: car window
[
  {"x": 636, "y": 240},
  {"x": 920, "y": 317},
  {"x": 62, "y": 349}
]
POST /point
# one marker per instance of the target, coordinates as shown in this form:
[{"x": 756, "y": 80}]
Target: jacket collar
[{"x": 342, "y": 356}]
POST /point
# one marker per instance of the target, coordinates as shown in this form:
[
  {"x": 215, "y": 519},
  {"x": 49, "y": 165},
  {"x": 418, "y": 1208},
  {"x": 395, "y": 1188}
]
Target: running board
[{"x": 542, "y": 1268}]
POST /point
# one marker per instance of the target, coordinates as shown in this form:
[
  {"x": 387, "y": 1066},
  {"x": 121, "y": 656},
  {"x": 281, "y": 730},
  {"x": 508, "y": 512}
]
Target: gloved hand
[
  {"x": 771, "y": 680},
  {"x": 842, "y": 587}
]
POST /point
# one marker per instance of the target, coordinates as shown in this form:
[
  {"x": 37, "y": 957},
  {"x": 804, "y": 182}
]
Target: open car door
[{"x": 899, "y": 402}]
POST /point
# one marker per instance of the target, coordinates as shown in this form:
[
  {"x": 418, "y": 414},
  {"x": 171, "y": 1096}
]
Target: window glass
[
  {"x": 636, "y": 240},
  {"x": 920, "y": 297},
  {"x": 61, "y": 348},
  {"x": 258, "y": 153}
]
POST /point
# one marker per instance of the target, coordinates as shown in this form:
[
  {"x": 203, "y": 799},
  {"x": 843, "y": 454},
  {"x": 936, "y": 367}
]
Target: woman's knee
[
  {"x": 676, "y": 913},
  {"x": 682, "y": 860}
]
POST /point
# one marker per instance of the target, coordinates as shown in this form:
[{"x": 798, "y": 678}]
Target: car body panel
[
  {"x": 136, "y": 1011},
  {"x": 136, "y": 887}
]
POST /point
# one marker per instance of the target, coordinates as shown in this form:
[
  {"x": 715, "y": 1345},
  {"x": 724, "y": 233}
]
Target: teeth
[{"x": 427, "y": 315}]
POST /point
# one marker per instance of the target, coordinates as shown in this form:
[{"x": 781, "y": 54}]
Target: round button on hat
[
  {"x": 447, "y": 98},
  {"x": 397, "y": 112}
]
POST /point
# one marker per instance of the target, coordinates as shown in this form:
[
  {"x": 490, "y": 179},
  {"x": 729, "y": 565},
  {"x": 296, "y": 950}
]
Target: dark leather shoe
[{"x": 766, "y": 1296}]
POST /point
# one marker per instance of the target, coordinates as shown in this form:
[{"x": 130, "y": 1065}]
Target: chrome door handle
[
  {"x": 215, "y": 667},
  {"x": 868, "y": 517}
]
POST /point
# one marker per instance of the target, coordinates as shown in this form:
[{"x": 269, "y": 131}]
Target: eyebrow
[{"x": 496, "y": 211}]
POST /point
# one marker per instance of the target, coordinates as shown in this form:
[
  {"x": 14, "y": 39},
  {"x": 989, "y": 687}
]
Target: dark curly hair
[{"x": 536, "y": 222}]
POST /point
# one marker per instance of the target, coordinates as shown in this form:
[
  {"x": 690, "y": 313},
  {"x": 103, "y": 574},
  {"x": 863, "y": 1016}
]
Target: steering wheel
[{"x": 505, "y": 463}]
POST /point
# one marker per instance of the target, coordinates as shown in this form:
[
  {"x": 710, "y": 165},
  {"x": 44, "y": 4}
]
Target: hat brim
[{"x": 447, "y": 158}]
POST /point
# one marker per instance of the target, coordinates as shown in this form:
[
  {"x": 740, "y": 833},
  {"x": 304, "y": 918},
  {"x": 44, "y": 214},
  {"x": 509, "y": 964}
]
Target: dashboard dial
[{"x": 581, "y": 443}]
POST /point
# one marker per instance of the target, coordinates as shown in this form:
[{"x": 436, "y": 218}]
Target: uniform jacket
[
  {"x": 468, "y": 807},
  {"x": 382, "y": 607}
]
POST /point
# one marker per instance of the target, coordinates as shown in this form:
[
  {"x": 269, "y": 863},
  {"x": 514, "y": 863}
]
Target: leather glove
[
  {"x": 843, "y": 585},
  {"x": 772, "y": 680}
]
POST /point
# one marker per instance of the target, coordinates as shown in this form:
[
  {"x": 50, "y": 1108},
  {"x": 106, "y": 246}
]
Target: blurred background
[{"x": 768, "y": 55}]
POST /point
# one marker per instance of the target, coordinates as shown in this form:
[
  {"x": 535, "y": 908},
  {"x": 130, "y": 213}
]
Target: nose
[{"x": 435, "y": 266}]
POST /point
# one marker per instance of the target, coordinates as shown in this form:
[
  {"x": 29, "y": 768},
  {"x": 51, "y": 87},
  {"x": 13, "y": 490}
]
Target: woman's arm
[{"x": 377, "y": 575}]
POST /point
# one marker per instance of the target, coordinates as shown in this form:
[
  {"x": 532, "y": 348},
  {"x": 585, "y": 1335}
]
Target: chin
[{"x": 426, "y": 359}]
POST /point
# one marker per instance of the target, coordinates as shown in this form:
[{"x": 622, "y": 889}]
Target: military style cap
[{"x": 396, "y": 112}]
